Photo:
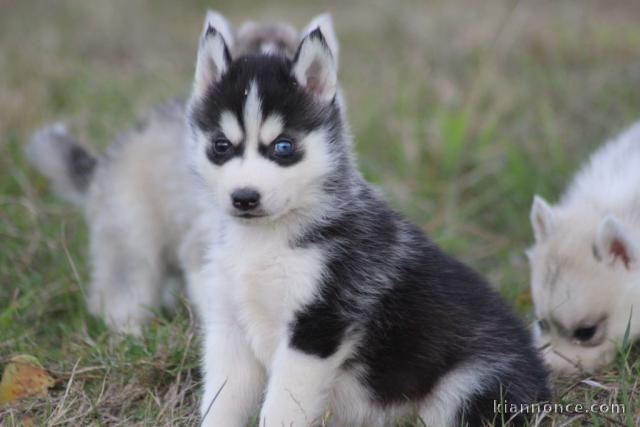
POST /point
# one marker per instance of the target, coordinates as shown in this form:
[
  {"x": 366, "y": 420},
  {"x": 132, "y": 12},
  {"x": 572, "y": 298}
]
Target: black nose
[{"x": 245, "y": 199}]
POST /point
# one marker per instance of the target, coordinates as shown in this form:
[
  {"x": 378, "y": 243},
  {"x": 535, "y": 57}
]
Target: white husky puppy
[
  {"x": 139, "y": 198},
  {"x": 585, "y": 275}
]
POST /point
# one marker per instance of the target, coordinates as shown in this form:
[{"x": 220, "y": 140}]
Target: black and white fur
[
  {"x": 146, "y": 220},
  {"x": 317, "y": 295}
]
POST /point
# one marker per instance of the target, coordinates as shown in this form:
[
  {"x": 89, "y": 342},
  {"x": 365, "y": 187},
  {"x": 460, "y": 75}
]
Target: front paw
[
  {"x": 123, "y": 320},
  {"x": 213, "y": 415}
]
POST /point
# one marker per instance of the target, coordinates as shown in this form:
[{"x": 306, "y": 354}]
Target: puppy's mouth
[{"x": 249, "y": 215}]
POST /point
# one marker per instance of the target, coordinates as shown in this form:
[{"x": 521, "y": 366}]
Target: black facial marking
[
  {"x": 217, "y": 157},
  {"x": 279, "y": 93}
]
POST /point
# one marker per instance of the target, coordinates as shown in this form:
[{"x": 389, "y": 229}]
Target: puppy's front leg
[
  {"x": 298, "y": 388},
  {"x": 233, "y": 378}
]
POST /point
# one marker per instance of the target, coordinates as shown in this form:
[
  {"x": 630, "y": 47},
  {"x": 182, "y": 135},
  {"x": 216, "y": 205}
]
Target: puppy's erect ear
[
  {"x": 542, "y": 218},
  {"x": 614, "y": 243},
  {"x": 315, "y": 66},
  {"x": 325, "y": 23},
  {"x": 213, "y": 53}
]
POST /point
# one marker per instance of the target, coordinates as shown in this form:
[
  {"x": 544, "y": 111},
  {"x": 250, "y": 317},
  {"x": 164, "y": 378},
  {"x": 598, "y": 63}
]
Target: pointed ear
[
  {"x": 325, "y": 23},
  {"x": 613, "y": 243},
  {"x": 213, "y": 53},
  {"x": 314, "y": 66},
  {"x": 542, "y": 218}
]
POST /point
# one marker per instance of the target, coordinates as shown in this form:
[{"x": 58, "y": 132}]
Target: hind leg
[{"x": 127, "y": 277}]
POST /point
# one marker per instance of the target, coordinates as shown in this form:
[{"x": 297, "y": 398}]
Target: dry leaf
[{"x": 23, "y": 376}]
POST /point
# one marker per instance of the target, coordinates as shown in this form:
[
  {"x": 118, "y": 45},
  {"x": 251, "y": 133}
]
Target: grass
[{"x": 461, "y": 110}]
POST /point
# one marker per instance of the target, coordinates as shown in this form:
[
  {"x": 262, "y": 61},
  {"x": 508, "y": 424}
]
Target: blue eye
[
  {"x": 283, "y": 147},
  {"x": 221, "y": 146}
]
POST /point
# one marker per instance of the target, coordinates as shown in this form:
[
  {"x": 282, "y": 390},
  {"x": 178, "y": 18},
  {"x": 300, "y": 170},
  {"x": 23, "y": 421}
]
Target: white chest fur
[{"x": 266, "y": 281}]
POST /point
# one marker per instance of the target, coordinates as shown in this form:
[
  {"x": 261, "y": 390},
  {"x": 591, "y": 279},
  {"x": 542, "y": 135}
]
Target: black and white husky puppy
[{"x": 319, "y": 303}]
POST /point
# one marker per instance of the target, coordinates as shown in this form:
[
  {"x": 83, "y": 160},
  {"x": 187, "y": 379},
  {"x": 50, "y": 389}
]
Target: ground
[{"x": 461, "y": 111}]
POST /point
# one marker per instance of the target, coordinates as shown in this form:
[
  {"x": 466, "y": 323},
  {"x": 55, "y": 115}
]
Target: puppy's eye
[
  {"x": 221, "y": 146},
  {"x": 283, "y": 147},
  {"x": 585, "y": 333},
  {"x": 543, "y": 325}
]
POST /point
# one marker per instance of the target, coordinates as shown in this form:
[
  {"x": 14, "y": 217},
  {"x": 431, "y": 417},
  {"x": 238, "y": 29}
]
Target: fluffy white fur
[
  {"x": 584, "y": 263},
  {"x": 145, "y": 221},
  {"x": 145, "y": 224}
]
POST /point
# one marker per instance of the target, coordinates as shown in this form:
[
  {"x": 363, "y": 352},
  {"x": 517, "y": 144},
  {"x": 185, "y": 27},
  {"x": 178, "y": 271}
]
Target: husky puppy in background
[
  {"x": 316, "y": 295},
  {"x": 585, "y": 276},
  {"x": 265, "y": 38},
  {"x": 144, "y": 216}
]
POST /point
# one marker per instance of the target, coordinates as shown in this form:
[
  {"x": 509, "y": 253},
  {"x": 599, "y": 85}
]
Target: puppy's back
[{"x": 611, "y": 177}]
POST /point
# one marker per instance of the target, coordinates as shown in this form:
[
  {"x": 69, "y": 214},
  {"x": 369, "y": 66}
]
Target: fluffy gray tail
[{"x": 59, "y": 157}]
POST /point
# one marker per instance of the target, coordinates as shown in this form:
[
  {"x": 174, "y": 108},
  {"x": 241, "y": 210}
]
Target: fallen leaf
[
  {"x": 23, "y": 376},
  {"x": 524, "y": 298}
]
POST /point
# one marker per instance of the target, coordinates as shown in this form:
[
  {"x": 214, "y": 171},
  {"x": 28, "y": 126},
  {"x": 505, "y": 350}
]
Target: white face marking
[
  {"x": 282, "y": 189},
  {"x": 252, "y": 116},
  {"x": 230, "y": 127},
  {"x": 271, "y": 128}
]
